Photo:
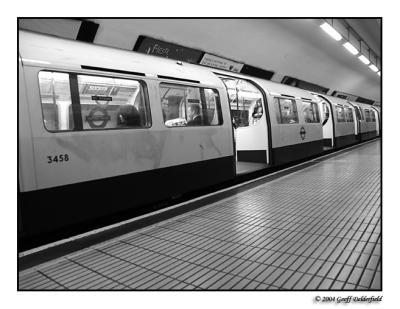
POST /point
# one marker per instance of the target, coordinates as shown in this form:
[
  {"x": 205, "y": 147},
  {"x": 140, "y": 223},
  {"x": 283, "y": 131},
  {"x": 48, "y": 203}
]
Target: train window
[
  {"x": 286, "y": 111},
  {"x": 361, "y": 113},
  {"x": 190, "y": 106},
  {"x": 373, "y": 116},
  {"x": 367, "y": 115},
  {"x": 358, "y": 113},
  {"x": 349, "y": 114},
  {"x": 325, "y": 112},
  {"x": 310, "y": 111},
  {"x": 246, "y": 101},
  {"x": 325, "y": 109},
  {"x": 108, "y": 103},
  {"x": 340, "y": 113},
  {"x": 55, "y": 96}
]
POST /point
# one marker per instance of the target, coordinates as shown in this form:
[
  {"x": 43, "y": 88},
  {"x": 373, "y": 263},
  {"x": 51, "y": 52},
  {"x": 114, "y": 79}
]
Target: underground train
[{"x": 103, "y": 131}]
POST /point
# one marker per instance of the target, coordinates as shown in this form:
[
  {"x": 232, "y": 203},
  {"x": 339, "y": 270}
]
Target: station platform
[{"x": 316, "y": 228}]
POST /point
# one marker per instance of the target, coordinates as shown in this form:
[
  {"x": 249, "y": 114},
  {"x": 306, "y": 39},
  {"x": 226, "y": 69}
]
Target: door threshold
[{"x": 243, "y": 167}]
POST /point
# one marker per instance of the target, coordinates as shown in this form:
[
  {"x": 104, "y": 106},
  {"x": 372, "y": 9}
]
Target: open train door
[
  {"x": 247, "y": 105},
  {"x": 377, "y": 120},
  {"x": 327, "y": 121}
]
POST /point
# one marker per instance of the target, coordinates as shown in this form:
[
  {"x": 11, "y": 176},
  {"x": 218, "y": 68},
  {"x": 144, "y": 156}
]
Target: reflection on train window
[
  {"x": 367, "y": 115},
  {"x": 310, "y": 111},
  {"x": 108, "y": 103},
  {"x": 349, "y": 114},
  {"x": 246, "y": 101},
  {"x": 190, "y": 106},
  {"x": 56, "y": 101},
  {"x": 340, "y": 113},
  {"x": 286, "y": 111}
]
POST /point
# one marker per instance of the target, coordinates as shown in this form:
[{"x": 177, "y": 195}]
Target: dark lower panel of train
[
  {"x": 50, "y": 214},
  {"x": 368, "y": 135},
  {"x": 256, "y": 156},
  {"x": 328, "y": 142},
  {"x": 341, "y": 141},
  {"x": 283, "y": 155}
]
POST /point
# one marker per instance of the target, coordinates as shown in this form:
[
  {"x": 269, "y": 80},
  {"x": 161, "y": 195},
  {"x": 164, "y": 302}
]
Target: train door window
[
  {"x": 358, "y": 114},
  {"x": 311, "y": 112},
  {"x": 213, "y": 107},
  {"x": 55, "y": 97},
  {"x": 349, "y": 114},
  {"x": 246, "y": 101},
  {"x": 325, "y": 110},
  {"x": 367, "y": 115},
  {"x": 361, "y": 113},
  {"x": 340, "y": 113},
  {"x": 373, "y": 116},
  {"x": 286, "y": 111},
  {"x": 108, "y": 103},
  {"x": 190, "y": 106}
]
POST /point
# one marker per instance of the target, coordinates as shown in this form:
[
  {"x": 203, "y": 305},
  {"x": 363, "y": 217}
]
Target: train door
[
  {"x": 355, "y": 119},
  {"x": 376, "y": 120},
  {"x": 358, "y": 122},
  {"x": 248, "y": 114},
  {"x": 327, "y": 122}
]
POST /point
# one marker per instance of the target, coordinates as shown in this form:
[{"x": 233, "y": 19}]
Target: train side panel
[{"x": 26, "y": 170}]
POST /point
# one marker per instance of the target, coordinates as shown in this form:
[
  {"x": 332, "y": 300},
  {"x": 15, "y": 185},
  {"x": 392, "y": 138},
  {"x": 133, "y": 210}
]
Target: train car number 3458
[{"x": 58, "y": 158}]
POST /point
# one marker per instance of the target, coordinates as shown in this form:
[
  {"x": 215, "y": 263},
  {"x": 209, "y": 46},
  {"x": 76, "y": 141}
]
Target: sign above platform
[
  {"x": 221, "y": 63},
  {"x": 150, "y": 46}
]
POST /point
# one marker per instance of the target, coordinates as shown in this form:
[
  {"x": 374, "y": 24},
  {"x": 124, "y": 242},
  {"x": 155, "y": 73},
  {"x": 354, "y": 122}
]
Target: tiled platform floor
[{"x": 318, "y": 228}]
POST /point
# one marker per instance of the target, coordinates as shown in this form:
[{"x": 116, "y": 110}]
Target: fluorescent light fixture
[
  {"x": 350, "y": 48},
  {"x": 373, "y": 68},
  {"x": 379, "y": 73},
  {"x": 331, "y": 31},
  {"x": 364, "y": 59}
]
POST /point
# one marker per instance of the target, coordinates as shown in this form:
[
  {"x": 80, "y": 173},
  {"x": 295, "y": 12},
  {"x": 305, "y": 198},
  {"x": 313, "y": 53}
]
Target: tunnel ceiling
[{"x": 289, "y": 47}]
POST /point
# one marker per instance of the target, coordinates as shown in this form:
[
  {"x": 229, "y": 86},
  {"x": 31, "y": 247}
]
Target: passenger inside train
[{"x": 194, "y": 115}]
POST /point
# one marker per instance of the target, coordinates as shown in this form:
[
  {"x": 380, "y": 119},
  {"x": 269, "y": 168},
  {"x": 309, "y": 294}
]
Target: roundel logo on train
[{"x": 303, "y": 133}]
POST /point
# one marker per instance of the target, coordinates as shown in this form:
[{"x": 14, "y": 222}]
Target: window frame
[
  {"x": 74, "y": 90},
  {"x": 201, "y": 89}
]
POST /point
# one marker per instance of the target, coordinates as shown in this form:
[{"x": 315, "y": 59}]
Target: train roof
[
  {"x": 363, "y": 105},
  {"x": 336, "y": 100},
  {"x": 273, "y": 88},
  {"x": 53, "y": 52},
  {"x": 333, "y": 100}
]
